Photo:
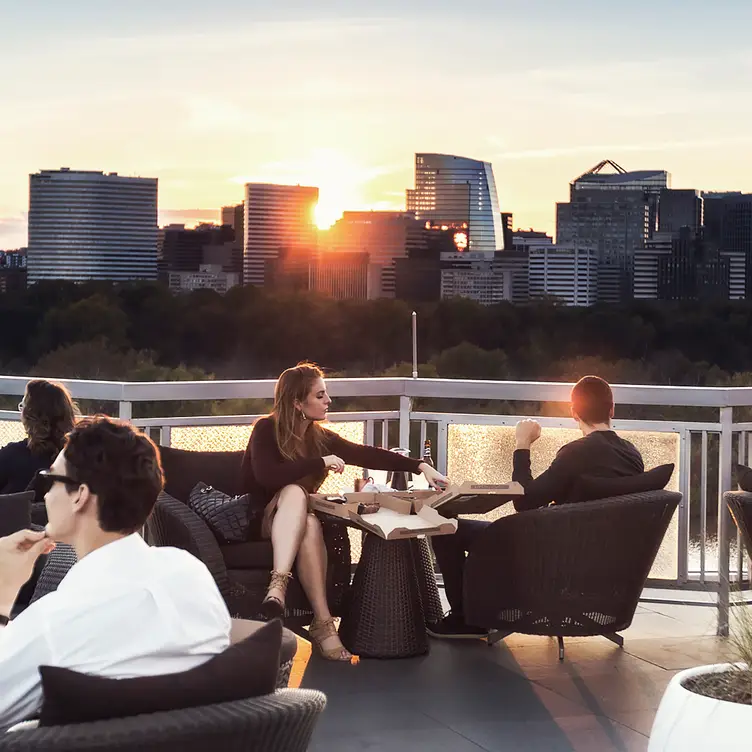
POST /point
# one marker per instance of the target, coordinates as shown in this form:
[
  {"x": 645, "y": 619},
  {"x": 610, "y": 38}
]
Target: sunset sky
[{"x": 209, "y": 95}]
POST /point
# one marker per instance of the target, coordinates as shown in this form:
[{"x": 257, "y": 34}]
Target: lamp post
[{"x": 415, "y": 345}]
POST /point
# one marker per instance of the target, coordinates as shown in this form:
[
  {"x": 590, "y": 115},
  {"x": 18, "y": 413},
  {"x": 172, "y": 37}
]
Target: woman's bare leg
[
  {"x": 288, "y": 529},
  {"x": 311, "y": 567}
]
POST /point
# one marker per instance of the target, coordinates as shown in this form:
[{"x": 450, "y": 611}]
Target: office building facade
[
  {"x": 384, "y": 235},
  {"x": 279, "y": 226},
  {"x": 91, "y": 226},
  {"x": 567, "y": 275},
  {"x": 458, "y": 193}
]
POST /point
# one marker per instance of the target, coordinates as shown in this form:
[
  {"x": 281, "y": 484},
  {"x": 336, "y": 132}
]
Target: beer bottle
[{"x": 427, "y": 453}]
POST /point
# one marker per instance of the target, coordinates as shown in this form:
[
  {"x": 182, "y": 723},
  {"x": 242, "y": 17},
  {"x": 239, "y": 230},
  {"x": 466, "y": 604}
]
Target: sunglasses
[{"x": 46, "y": 479}]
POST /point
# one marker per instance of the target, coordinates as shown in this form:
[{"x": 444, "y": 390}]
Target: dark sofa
[{"x": 240, "y": 569}]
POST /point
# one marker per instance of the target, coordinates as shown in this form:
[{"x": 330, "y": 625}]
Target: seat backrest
[
  {"x": 15, "y": 512},
  {"x": 590, "y": 548},
  {"x": 282, "y": 722},
  {"x": 59, "y": 561},
  {"x": 183, "y": 469}
]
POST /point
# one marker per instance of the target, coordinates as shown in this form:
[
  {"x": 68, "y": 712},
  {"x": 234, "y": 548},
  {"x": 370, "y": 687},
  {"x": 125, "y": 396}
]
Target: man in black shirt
[{"x": 600, "y": 452}]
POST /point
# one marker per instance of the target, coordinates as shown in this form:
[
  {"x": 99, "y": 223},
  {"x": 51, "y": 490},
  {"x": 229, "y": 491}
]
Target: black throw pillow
[
  {"x": 228, "y": 517},
  {"x": 590, "y": 487},
  {"x": 246, "y": 669},
  {"x": 15, "y": 512},
  {"x": 744, "y": 477}
]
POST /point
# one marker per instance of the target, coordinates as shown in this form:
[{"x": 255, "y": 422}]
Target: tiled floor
[{"x": 516, "y": 695}]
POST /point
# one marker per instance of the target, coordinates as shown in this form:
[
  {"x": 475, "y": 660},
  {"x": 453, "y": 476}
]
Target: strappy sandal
[
  {"x": 273, "y": 607},
  {"x": 319, "y": 632}
]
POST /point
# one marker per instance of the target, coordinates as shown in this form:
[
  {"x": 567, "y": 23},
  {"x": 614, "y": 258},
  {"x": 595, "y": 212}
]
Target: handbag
[{"x": 228, "y": 517}]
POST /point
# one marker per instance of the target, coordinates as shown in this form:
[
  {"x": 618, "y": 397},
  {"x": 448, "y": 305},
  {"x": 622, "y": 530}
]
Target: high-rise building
[
  {"x": 650, "y": 183},
  {"x": 517, "y": 263},
  {"x": 234, "y": 216},
  {"x": 91, "y": 225},
  {"x": 569, "y": 275},
  {"x": 279, "y": 222},
  {"x": 206, "y": 277},
  {"x": 342, "y": 276},
  {"x": 182, "y": 249},
  {"x": 728, "y": 227},
  {"x": 680, "y": 208},
  {"x": 13, "y": 270},
  {"x": 458, "y": 194},
  {"x": 645, "y": 263},
  {"x": 384, "y": 235},
  {"x": 479, "y": 280},
  {"x": 522, "y": 239}
]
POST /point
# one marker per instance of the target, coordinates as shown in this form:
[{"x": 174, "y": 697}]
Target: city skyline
[{"x": 341, "y": 96}]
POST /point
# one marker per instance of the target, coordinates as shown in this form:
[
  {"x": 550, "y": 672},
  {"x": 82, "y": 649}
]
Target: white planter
[{"x": 688, "y": 722}]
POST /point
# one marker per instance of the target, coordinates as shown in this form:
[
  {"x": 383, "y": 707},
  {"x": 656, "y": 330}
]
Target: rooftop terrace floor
[{"x": 467, "y": 697}]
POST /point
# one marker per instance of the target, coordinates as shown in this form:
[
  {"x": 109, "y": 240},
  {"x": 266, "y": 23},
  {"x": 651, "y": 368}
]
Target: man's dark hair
[
  {"x": 120, "y": 465},
  {"x": 592, "y": 400}
]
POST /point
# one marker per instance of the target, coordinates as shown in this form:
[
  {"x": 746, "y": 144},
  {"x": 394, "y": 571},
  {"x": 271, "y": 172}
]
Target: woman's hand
[
  {"x": 433, "y": 476},
  {"x": 332, "y": 462}
]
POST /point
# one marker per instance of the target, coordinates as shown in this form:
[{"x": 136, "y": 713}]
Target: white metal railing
[{"x": 700, "y": 444}]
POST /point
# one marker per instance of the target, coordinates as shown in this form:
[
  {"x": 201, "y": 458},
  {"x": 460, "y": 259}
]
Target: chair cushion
[
  {"x": 183, "y": 469},
  {"x": 228, "y": 517},
  {"x": 744, "y": 477},
  {"x": 246, "y": 669},
  {"x": 15, "y": 512},
  {"x": 591, "y": 487},
  {"x": 251, "y": 555}
]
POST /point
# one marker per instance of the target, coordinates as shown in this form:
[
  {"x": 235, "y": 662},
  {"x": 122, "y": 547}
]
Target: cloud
[{"x": 564, "y": 151}]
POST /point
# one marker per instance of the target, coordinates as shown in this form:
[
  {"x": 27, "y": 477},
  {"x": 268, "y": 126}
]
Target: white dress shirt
[{"x": 124, "y": 610}]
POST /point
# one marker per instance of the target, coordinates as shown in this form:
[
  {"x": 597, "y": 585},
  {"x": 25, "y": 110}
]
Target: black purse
[{"x": 228, "y": 517}]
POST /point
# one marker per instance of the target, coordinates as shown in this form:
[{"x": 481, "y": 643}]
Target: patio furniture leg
[
  {"x": 617, "y": 639},
  {"x": 561, "y": 647},
  {"x": 497, "y": 635}
]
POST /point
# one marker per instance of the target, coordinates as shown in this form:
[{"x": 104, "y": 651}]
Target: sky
[{"x": 341, "y": 94}]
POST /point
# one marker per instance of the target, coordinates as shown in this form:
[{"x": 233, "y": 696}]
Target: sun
[{"x": 328, "y": 211}]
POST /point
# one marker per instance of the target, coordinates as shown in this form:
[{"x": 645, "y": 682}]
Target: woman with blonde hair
[
  {"x": 288, "y": 456},
  {"x": 47, "y": 414}
]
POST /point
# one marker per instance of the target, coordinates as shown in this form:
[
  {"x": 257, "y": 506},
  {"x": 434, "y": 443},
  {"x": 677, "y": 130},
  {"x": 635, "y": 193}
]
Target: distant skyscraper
[
  {"x": 91, "y": 225},
  {"x": 342, "y": 276},
  {"x": 728, "y": 227},
  {"x": 567, "y": 274},
  {"x": 384, "y": 235},
  {"x": 460, "y": 194},
  {"x": 680, "y": 208},
  {"x": 234, "y": 216},
  {"x": 648, "y": 182},
  {"x": 279, "y": 224}
]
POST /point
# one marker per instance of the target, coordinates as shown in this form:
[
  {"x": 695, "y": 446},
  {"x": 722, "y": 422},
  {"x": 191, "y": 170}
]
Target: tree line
[{"x": 142, "y": 331}]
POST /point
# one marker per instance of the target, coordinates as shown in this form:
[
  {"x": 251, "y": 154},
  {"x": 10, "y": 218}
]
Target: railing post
[
  {"x": 125, "y": 410},
  {"x": 724, "y": 519},
  {"x": 685, "y": 458},
  {"x": 406, "y": 406}
]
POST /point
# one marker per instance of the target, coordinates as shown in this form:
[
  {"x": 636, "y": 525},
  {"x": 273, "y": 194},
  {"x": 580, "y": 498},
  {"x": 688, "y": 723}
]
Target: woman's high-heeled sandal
[
  {"x": 273, "y": 607},
  {"x": 319, "y": 631}
]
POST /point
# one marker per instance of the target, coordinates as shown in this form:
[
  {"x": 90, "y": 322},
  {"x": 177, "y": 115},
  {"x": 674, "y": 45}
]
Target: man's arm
[
  {"x": 547, "y": 487},
  {"x": 24, "y": 647}
]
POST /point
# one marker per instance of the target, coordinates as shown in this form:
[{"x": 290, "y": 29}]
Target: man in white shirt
[{"x": 125, "y": 609}]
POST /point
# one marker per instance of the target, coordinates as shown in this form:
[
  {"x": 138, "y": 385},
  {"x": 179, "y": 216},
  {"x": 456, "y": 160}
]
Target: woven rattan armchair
[
  {"x": 241, "y": 570},
  {"x": 740, "y": 506},
  {"x": 569, "y": 570},
  {"x": 282, "y": 722}
]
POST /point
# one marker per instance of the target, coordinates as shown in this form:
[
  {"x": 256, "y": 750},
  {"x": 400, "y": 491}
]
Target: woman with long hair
[
  {"x": 288, "y": 456},
  {"x": 47, "y": 414}
]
